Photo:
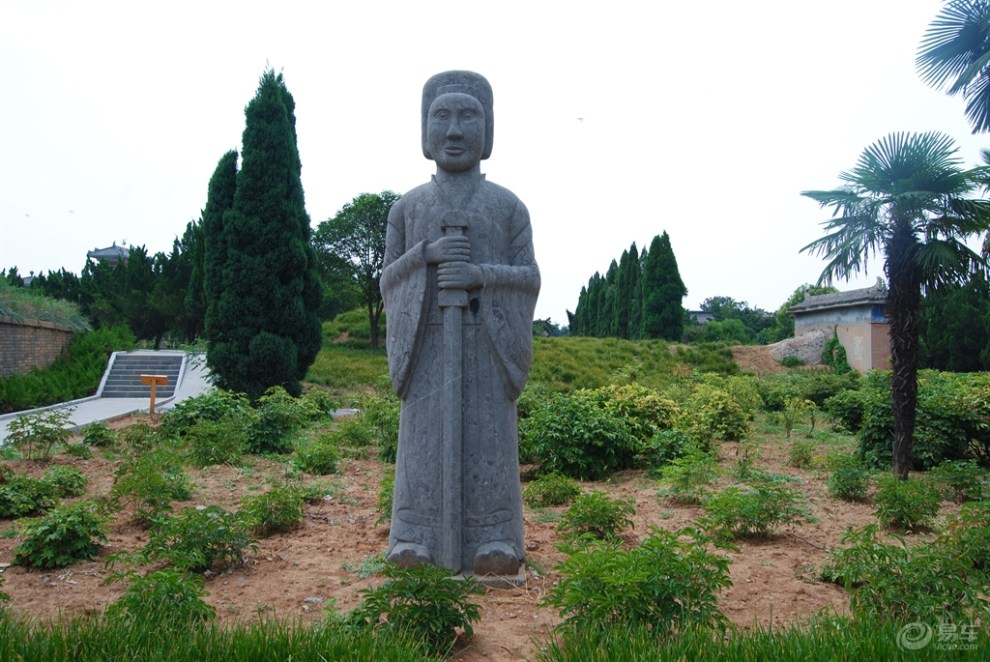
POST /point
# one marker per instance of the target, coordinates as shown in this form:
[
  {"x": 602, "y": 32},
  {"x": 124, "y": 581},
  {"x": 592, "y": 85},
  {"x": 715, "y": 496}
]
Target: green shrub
[
  {"x": 424, "y": 602},
  {"x": 906, "y": 584},
  {"x": 906, "y": 504},
  {"x": 318, "y": 491},
  {"x": 834, "y": 356},
  {"x": 711, "y": 413},
  {"x": 213, "y": 442},
  {"x": 99, "y": 434},
  {"x": 382, "y": 416},
  {"x": 78, "y": 451},
  {"x": 318, "y": 404},
  {"x": 386, "y": 490},
  {"x": 668, "y": 583},
  {"x": 277, "y": 417},
  {"x": 597, "y": 515},
  {"x": 847, "y": 408},
  {"x": 550, "y": 490},
  {"x": 319, "y": 457},
  {"x": 800, "y": 454},
  {"x": 962, "y": 480},
  {"x": 151, "y": 482},
  {"x": 276, "y": 511},
  {"x": 22, "y": 495},
  {"x": 644, "y": 410},
  {"x": 663, "y": 448},
  {"x": 967, "y": 537},
  {"x": 214, "y": 405},
  {"x": 573, "y": 435},
  {"x": 68, "y": 533},
  {"x": 140, "y": 437},
  {"x": 754, "y": 512},
  {"x": 35, "y": 435},
  {"x": 169, "y": 598},
  {"x": 689, "y": 476},
  {"x": 198, "y": 539},
  {"x": 849, "y": 479},
  {"x": 66, "y": 481}
]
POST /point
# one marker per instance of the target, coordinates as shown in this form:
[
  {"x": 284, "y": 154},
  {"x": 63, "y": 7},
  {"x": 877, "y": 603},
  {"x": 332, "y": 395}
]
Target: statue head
[{"x": 460, "y": 83}]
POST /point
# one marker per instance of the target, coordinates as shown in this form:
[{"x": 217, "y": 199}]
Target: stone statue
[{"x": 460, "y": 285}]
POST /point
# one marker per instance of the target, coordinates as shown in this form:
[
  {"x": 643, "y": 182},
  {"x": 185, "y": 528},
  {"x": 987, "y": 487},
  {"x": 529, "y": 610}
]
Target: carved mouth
[{"x": 454, "y": 151}]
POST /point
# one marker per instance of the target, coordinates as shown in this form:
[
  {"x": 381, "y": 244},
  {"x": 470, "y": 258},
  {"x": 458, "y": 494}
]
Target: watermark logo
[{"x": 946, "y": 636}]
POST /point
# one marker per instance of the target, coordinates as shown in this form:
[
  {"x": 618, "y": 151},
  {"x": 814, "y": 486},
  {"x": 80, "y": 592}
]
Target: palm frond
[{"x": 954, "y": 44}]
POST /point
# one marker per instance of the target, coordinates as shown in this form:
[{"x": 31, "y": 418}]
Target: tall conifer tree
[
  {"x": 663, "y": 292},
  {"x": 265, "y": 330}
]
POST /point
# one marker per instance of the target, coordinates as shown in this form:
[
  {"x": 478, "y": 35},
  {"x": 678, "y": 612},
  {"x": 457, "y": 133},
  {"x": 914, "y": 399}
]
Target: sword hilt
[{"x": 453, "y": 224}]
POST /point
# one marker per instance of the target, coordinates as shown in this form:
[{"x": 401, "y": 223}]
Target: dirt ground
[{"x": 319, "y": 565}]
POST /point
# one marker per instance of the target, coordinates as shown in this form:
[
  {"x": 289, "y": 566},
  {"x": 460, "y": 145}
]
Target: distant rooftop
[
  {"x": 866, "y": 296},
  {"x": 112, "y": 253}
]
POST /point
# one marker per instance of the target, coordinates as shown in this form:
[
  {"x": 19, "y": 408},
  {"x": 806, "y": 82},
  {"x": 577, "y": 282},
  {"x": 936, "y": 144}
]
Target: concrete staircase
[{"x": 124, "y": 380}]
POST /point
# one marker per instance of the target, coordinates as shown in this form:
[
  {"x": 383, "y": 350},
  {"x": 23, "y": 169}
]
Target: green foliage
[
  {"x": 966, "y": 537},
  {"x": 754, "y": 512},
  {"x": 800, "y": 454},
  {"x": 66, "y": 481},
  {"x": 834, "y": 356},
  {"x": 22, "y": 495},
  {"x": 383, "y": 502},
  {"x": 552, "y": 489},
  {"x": 668, "y": 584},
  {"x": 424, "y": 602},
  {"x": 906, "y": 504},
  {"x": 847, "y": 409},
  {"x": 382, "y": 416},
  {"x": 276, "y": 511},
  {"x": 689, "y": 476},
  {"x": 796, "y": 409},
  {"x": 849, "y": 479},
  {"x": 35, "y": 435},
  {"x": 198, "y": 539},
  {"x": 100, "y": 435},
  {"x": 24, "y": 304},
  {"x": 712, "y": 413},
  {"x": 792, "y": 361},
  {"x": 663, "y": 448},
  {"x": 318, "y": 457},
  {"x": 597, "y": 515},
  {"x": 217, "y": 442},
  {"x": 962, "y": 480},
  {"x": 213, "y": 405},
  {"x": 151, "y": 481},
  {"x": 575, "y": 436},
  {"x": 68, "y": 533},
  {"x": 906, "y": 584},
  {"x": 171, "y": 599},
  {"x": 951, "y": 335},
  {"x": 75, "y": 376},
  {"x": 262, "y": 325},
  {"x": 643, "y": 409},
  {"x": 278, "y": 416}
]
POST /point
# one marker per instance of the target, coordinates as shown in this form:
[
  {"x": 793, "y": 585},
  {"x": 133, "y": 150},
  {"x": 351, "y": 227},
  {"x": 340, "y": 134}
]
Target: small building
[
  {"x": 857, "y": 317},
  {"x": 111, "y": 254}
]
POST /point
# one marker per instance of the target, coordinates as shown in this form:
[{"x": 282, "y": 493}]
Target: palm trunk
[{"x": 903, "y": 305}]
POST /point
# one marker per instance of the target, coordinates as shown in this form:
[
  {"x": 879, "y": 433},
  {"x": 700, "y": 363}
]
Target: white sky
[{"x": 614, "y": 121}]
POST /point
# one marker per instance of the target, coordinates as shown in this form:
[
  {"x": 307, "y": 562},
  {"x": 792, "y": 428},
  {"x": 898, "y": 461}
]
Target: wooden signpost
[{"x": 155, "y": 381}]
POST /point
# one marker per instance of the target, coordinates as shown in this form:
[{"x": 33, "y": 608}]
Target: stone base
[{"x": 498, "y": 581}]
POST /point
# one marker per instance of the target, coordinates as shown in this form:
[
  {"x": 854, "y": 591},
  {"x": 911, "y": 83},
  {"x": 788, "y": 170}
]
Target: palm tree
[
  {"x": 906, "y": 198},
  {"x": 955, "y": 52}
]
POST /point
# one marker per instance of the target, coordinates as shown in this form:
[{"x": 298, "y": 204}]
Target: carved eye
[{"x": 440, "y": 115}]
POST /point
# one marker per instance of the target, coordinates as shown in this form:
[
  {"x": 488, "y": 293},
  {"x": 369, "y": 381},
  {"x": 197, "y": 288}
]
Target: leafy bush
[
  {"x": 792, "y": 361},
  {"x": 66, "y": 481},
  {"x": 800, "y": 454},
  {"x": 22, "y": 495},
  {"x": 663, "y": 448},
  {"x": 318, "y": 457},
  {"x": 906, "y": 584},
  {"x": 151, "y": 482},
  {"x": 962, "y": 480},
  {"x": 573, "y": 435},
  {"x": 688, "y": 477},
  {"x": 847, "y": 408},
  {"x": 34, "y": 435},
  {"x": 198, "y": 539},
  {"x": 278, "y": 510},
  {"x": 99, "y": 434},
  {"x": 68, "y": 533},
  {"x": 550, "y": 490},
  {"x": 967, "y": 537},
  {"x": 753, "y": 513},
  {"x": 382, "y": 415},
  {"x": 424, "y": 602},
  {"x": 140, "y": 437},
  {"x": 834, "y": 356},
  {"x": 386, "y": 490},
  {"x": 849, "y": 479},
  {"x": 277, "y": 417},
  {"x": 711, "y": 413},
  {"x": 598, "y": 515},
  {"x": 169, "y": 598},
  {"x": 214, "y": 405},
  {"x": 214, "y": 442},
  {"x": 906, "y": 504},
  {"x": 643, "y": 409},
  {"x": 668, "y": 584}
]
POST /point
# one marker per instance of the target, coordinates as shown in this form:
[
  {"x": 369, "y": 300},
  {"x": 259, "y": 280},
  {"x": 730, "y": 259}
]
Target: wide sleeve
[
  {"x": 403, "y": 286},
  {"x": 509, "y": 294}
]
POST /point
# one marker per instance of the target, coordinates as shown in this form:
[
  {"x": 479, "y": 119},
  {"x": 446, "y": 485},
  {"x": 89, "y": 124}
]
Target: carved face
[{"x": 455, "y": 132}]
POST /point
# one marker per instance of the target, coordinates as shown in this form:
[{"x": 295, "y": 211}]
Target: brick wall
[{"x": 24, "y": 346}]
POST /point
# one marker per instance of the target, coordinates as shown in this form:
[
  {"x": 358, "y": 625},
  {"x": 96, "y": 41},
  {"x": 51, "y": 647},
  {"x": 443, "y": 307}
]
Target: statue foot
[
  {"x": 409, "y": 554},
  {"x": 496, "y": 558}
]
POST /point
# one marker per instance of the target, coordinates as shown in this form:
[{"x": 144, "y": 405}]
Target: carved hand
[
  {"x": 459, "y": 276},
  {"x": 448, "y": 249}
]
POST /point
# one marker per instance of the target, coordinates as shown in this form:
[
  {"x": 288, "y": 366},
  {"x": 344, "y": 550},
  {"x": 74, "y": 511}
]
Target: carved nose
[{"x": 454, "y": 130}]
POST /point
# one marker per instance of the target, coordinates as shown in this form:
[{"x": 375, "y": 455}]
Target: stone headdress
[{"x": 464, "y": 82}]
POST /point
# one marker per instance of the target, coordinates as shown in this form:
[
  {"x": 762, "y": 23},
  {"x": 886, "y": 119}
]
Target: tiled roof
[{"x": 867, "y": 296}]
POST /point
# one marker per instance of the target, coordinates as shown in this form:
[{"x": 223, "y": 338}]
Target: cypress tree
[
  {"x": 265, "y": 331},
  {"x": 606, "y": 314},
  {"x": 219, "y": 200},
  {"x": 663, "y": 291},
  {"x": 626, "y": 283}
]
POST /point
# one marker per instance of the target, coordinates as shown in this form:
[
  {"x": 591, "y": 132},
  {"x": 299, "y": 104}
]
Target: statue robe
[{"x": 497, "y": 352}]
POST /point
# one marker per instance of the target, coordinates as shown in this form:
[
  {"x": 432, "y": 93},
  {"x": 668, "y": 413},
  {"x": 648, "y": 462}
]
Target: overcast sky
[{"x": 614, "y": 121}]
